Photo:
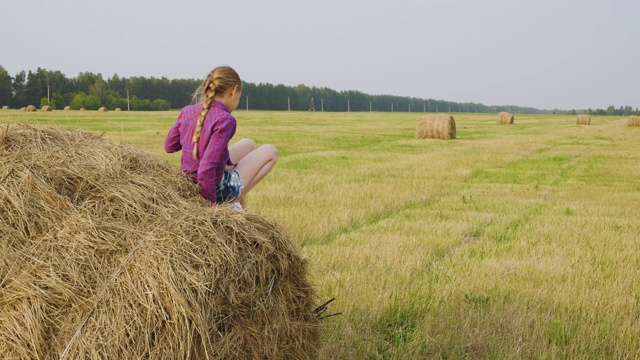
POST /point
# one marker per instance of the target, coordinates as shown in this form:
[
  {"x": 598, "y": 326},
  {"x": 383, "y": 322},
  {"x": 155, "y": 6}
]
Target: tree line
[{"x": 91, "y": 91}]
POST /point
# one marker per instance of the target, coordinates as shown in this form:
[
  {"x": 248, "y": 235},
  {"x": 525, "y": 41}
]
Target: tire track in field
[{"x": 468, "y": 239}]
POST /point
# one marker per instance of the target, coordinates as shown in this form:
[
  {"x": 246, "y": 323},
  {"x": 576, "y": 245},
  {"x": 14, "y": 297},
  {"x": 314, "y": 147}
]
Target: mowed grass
[{"x": 510, "y": 242}]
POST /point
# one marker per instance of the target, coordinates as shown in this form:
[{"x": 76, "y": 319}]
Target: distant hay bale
[
  {"x": 110, "y": 253},
  {"x": 436, "y": 126},
  {"x": 6, "y": 107},
  {"x": 46, "y": 108},
  {"x": 118, "y": 109},
  {"x": 633, "y": 120},
  {"x": 103, "y": 109},
  {"x": 67, "y": 107},
  {"x": 31, "y": 108},
  {"x": 584, "y": 119},
  {"x": 81, "y": 109},
  {"x": 505, "y": 118},
  {"x": 23, "y": 109}
]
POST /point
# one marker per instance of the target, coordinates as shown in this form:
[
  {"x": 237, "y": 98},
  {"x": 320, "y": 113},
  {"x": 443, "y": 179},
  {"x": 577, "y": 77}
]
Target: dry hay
[
  {"x": 67, "y": 107},
  {"x": 103, "y": 109},
  {"x": 5, "y": 107},
  {"x": 23, "y": 109},
  {"x": 30, "y": 108},
  {"x": 505, "y": 118},
  {"x": 46, "y": 108},
  {"x": 118, "y": 109},
  {"x": 81, "y": 109},
  {"x": 584, "y": 119},
  {"x": 110, "y": 253},
  {"x": 436, "y": 126},
  {"x": 633, "y": 120}
]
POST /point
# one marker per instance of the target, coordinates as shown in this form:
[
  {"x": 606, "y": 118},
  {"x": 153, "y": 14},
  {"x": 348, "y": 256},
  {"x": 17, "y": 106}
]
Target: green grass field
[{"x": 510, "y": 242}]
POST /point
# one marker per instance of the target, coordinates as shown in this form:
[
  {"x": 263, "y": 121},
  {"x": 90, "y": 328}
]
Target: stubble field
[{"x": 509, "y": 242}]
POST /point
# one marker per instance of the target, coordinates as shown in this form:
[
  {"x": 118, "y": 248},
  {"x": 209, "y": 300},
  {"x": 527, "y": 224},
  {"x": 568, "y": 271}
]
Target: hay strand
[
  {"x": 109, "y": 252},
  {"x": 436, "y": 126},
  {"x": 584, "y": 119},
  {"x": 505, "y": 118}
]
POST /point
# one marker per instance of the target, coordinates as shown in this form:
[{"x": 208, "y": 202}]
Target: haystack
[
  {"x": 110, "y": 253},
  {"x": 46, "y": 108},
  {"x": 118, "y": 109},
  {"x": 584, "y": 119},
  {"x": 505, "y": 118},
  {"x": 30, "y": 108},
  {"x": 81, "y": 109},
  {"x": 67, "y": 107},
  {"x": 633, "y": 120},
  {"x": 437, "y": 126},
  {"x": 103, "y": 109},
  {"x": 5, "y": 107}
]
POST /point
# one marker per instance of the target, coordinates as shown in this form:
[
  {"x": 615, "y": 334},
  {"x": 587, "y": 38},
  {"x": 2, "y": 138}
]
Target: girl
[{"x": 203, "y": 131}]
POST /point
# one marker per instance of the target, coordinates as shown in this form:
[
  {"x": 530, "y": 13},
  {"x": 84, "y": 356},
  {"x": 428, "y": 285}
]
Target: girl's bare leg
[
  {"x": 240, "y": 149},
  {"x": 254, "y": 166}
]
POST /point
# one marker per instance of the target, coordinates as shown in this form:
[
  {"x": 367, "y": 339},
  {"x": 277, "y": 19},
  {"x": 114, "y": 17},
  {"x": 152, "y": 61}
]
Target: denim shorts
[{"x": 229, "y": 188}]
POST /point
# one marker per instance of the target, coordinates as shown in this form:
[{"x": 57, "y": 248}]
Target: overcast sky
[{"x": 565, "y": 54}]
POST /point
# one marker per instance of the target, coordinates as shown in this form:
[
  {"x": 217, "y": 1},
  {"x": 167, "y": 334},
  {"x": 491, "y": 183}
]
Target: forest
[{"x": 92, "y": 91}]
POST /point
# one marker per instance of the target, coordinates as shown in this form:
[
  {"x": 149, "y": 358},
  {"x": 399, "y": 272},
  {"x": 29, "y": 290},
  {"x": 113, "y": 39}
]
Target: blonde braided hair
[{"x": 217, "y": 82}]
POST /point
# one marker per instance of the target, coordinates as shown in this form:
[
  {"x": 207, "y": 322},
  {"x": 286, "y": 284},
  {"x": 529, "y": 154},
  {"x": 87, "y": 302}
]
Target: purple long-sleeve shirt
[{"x": 213, "y": 148}]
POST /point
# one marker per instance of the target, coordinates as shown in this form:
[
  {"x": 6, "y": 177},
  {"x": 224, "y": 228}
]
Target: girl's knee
[
  {"x": 249, "y": 143},
  {"x": 270, "y": 150}
]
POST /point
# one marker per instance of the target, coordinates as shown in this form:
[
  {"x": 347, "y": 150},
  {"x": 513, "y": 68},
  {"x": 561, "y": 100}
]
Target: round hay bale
[
  {"x": 5, "y": 107},
  {"x": 436, "y": 126},
  {"x": 118, "y": 109},
  {"x": 81, "y": 109},
  {"x": 584, "y": 119},
  {"x": 633, "y": 120},
  {"x": 505, "y": 118},
  {"x": 23, "y": 109},
  {"x": 31, "y": 108},
  {"x": 110, "y": 253},
  {"x": 67, "y": 107},
  {"x": 46, "y": 108},
  {"x": 103, "y": 109}
]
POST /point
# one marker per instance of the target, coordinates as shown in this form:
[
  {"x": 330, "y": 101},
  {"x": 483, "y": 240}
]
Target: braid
[
  {"x": 217, "y": 82},
  {"x": 209, "y": 94}
]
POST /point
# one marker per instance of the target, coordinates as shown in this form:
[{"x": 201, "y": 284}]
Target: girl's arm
[
  {"x": 216, "y": 154},
  {"x": 172, "y": 142}
]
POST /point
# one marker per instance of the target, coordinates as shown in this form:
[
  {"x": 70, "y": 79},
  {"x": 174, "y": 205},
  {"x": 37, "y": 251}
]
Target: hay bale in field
[
  {"x": 633, "y": 120},
  {"x": 31, "y": 108},
  {"x": 436, "y": 126},
  {"x": 23, "y": 109},
  {"x": 108, "y": 252},
  {"x": 505, "y": 118},
  {"x": 118, "y": 109},
  {"x": 67, "y": 107},
  {"x": 584, "y": 119},
  {"x": 46, "y": 108},
  {"x": 81, "y": 109},
  {"x": 103, "y": 109},
  {"x": 5, "y": 107}
]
